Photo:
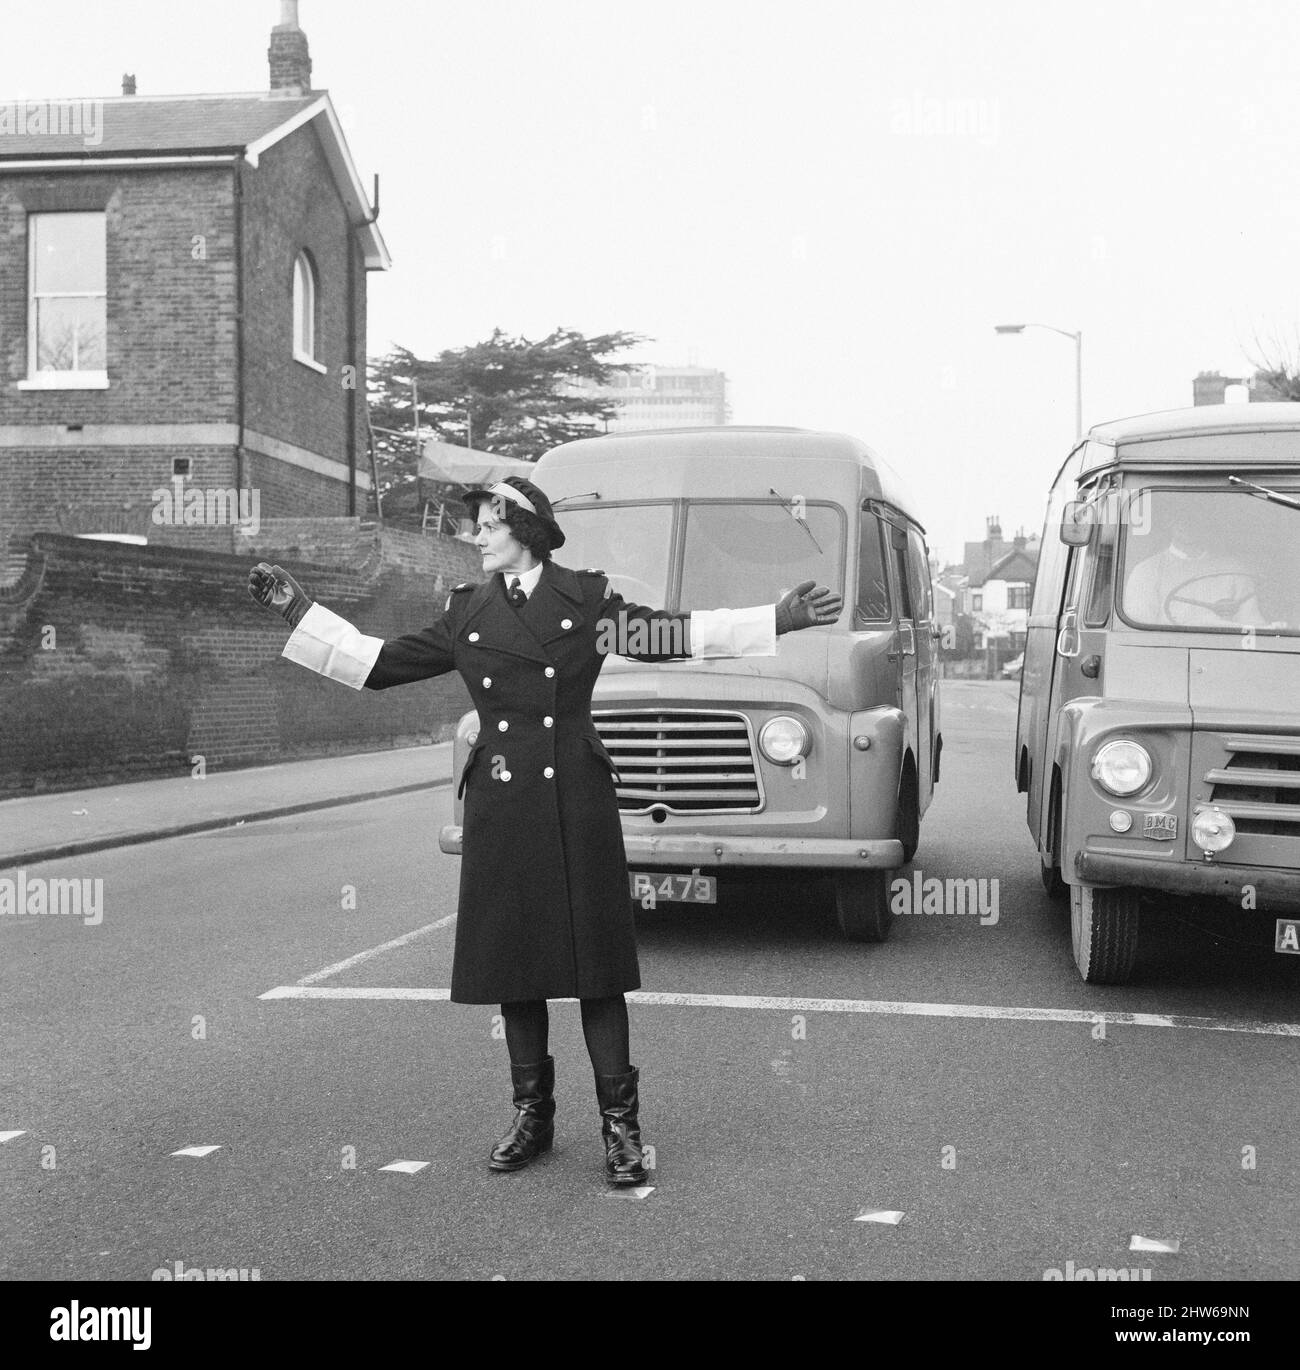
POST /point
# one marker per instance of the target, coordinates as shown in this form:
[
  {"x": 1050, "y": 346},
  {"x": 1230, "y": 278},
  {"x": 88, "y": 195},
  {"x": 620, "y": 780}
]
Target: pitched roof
[
  {"x": 132, "y": 125},
  {"x": 68, "y": 133}
]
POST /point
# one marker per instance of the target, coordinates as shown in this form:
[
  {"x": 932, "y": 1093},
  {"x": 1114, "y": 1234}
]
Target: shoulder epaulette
[
  {"x": 594, "y": 574},
  {"x": 591, "y": 573},
  {"x": 456, "y": 589}
]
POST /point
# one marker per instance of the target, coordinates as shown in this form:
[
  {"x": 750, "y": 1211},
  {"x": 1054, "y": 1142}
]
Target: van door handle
[{"x": 1067, "y": 640}]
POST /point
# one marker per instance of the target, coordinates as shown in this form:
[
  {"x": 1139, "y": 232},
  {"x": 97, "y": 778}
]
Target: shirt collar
[{"x": 527, "y": 579}]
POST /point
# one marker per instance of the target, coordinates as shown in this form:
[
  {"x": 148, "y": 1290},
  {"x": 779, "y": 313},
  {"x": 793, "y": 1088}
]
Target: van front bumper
[
  {"x": 1273, "y": 888},
  {"x": 689, "y": 850}
]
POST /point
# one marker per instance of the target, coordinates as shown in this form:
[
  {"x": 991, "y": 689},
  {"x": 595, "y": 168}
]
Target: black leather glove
[
  {"x": 274, "y": 588},
  {"x": 806, "y": 606}
]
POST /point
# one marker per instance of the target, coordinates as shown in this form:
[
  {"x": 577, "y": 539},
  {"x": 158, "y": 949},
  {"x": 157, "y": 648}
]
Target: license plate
[
  {"x": 1288, "y": 936},
  {"x": 651, "y": 888}
]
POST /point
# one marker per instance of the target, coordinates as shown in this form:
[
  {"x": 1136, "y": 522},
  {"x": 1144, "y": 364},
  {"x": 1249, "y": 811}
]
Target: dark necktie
[{"x": 516, "y": 594}]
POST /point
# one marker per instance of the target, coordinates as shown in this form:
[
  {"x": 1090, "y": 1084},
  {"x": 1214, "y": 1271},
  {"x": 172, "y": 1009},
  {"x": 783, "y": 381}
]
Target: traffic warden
[{"x": 544, "y": 910}]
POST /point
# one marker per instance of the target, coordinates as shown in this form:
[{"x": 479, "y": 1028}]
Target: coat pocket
[
  {"x": 469, "y": 766},
  {"x": 598, "y": 747}
]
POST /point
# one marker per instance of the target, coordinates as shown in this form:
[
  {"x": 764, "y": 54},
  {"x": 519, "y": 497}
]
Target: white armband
[
  {"x": 734, "y": 632},
  {"x": 331, "y": 646}
]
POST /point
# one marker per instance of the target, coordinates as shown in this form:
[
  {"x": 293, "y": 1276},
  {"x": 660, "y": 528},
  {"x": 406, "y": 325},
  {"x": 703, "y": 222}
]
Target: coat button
[
  {"x": 550, "y": 671},
  {"x": 487, "y": 682},
  {"x": 566, "y": 623},
  {"x": 473, "y": 637},
  {"x": 503, "y": 726},
  {"x": 549, "y": 772},
  {"x": 548, "y": 722},
  {"x": 505, "y": 775}
]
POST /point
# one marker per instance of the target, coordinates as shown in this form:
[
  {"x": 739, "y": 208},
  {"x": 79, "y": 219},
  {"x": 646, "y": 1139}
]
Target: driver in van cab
[{"x": 1190, "y": 583}]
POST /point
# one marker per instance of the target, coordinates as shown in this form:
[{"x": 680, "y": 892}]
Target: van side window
[
  {"x": 873, "y": 580},
  {"x": 1096, "y": 609},
  {"x": 898, "y": 549},
  {"x": 918, "y": 566}
]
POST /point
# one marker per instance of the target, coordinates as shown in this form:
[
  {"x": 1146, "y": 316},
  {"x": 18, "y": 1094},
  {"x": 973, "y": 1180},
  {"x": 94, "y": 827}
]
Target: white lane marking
[
  {"x": 640, "y": 1192},
  {"x": 351, "y": 992},
  {"x": 9, "y": 1136},
  {"x": 405, "y": 1167},
  {"x": 196, "y": 1150},
  {"x": 1154, "y": 1244},
  {"x": 892, "y": 1216},
  {"x": 361, "y": 956},
  {"x": 883, "y": 1006}
]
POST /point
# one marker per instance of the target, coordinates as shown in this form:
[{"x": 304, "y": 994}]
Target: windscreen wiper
[
  {"x": 803, "y": 523},
  {"x": 1263, "y": 492}
]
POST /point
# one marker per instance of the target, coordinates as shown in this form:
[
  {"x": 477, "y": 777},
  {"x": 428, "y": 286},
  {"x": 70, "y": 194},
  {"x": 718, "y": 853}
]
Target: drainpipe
[{"x": 240, "y": 469}]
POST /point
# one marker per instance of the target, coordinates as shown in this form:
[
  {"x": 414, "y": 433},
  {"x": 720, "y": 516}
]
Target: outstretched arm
[
  {"x": 332, "y": 647},
  {"x": 643, "y": 634}
]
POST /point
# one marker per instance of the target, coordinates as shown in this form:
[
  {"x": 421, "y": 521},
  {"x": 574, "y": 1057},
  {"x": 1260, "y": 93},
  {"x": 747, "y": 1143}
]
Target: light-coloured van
[
  {"x": 819, "y": 761},
  {"x": 1158, "y": 739}
]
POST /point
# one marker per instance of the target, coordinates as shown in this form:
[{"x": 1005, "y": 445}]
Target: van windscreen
[
  {"x": 631, "y": 543},
  {"x": 1211, "y": 559},
  {"x": 740, "y": 554}
]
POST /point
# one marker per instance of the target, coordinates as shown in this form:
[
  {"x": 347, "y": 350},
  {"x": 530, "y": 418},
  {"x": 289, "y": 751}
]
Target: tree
[
  {"x": 507, "y": 395},
  {"x": 1277, "y": 364}
]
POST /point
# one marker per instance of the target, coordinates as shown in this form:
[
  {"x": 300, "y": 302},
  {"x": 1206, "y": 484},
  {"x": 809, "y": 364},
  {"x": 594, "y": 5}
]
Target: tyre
[
  {"x": 1049, "y": 868},
  {"x": 1104, "y": 933},
  {"x": 909, "y": 819},
  {"x": 862, "y": 905}
]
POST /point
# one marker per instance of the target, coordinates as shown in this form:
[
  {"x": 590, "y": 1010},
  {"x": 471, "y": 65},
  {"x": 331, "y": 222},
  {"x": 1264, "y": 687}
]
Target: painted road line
[
  {"x": 892, "y": 1216},
  {"x": 9, "y": 1136},
  {"x": 1170, "y": 1247},
  {"x": 405, "y": 1167},
  {"x": 339, "y": 966},
  {"x": 351, "y": 992},
  {"x": 887, "y": 1007},
  {"x": 196, "y": 1150}
]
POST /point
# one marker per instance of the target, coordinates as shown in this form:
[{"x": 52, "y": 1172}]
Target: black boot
[
  {"x": 533, "y": 1129},
  {"x": 617, "y": 1094}
]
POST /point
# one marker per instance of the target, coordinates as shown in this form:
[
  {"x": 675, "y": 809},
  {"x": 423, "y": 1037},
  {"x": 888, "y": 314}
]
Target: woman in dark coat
[{"x": 544, "y": 907}]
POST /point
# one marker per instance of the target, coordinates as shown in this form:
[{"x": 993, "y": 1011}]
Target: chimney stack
[
  {"x": 128, "y": 84},
  {"x": 288, "y": 55}
]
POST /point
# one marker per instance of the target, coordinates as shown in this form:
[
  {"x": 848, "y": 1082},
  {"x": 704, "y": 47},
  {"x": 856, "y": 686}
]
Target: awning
[{"x": 445, "y": 461}]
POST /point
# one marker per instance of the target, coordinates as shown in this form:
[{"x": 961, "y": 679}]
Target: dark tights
[{"x": 604, "y": 1025}]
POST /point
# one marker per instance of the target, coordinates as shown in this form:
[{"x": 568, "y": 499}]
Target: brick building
[{"x": 182, "y": 304}]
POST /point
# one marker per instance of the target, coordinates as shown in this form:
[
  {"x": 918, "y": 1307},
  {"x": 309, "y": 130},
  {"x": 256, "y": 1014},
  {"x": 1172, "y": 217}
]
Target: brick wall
[
  {"x": 171, "y": 315},
  {"x": 290, "y": 204},
  {"x": 120, "y": 661}
]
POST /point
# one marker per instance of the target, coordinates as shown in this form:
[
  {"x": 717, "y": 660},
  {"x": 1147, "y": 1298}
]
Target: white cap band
[{"x": 509, "y": 492}]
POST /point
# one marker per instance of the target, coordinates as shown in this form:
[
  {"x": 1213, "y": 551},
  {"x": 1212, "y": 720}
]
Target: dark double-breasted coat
[{"x": 544, "y": 905}]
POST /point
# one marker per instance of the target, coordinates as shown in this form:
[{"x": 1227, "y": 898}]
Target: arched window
[{"x": 304, "y": 310}]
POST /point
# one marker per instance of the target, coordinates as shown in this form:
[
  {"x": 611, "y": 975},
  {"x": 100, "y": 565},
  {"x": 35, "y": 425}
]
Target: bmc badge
[{"x": 1160, "y": 827}]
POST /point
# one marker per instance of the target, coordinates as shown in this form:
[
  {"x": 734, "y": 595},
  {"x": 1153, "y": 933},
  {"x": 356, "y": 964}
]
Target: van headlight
[
  {"x": 784, "y": 740},
  {"x": 1122, "y": 767}
]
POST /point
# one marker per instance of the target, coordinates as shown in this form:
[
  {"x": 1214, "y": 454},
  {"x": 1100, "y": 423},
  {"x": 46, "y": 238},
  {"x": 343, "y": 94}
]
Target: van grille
[
  {"x": 685, "y": 761},
  {"x": 1259, "y": 785}
]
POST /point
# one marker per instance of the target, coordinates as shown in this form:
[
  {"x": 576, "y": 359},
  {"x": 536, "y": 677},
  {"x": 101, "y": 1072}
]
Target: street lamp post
[{"x": 1078, "y": 363}]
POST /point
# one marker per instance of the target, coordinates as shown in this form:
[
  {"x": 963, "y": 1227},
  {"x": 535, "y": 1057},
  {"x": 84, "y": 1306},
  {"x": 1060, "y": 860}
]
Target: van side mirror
[{"x": 1077, "y": 523}]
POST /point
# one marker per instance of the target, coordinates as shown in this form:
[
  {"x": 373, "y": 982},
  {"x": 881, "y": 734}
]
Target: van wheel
[
  {"x": 1049, "y": 865},
  {"x": 862, "y": 905},
  {"x": 909, "y": 819},
  {"x": 1104, "y": 933}
]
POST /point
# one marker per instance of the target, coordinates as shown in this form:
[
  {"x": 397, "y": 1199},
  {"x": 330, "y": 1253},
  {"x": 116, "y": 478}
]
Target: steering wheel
[{"x": 1225, "y": 607}]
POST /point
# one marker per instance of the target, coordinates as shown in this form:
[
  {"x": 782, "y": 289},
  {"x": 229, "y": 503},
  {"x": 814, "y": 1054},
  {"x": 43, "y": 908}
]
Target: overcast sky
[{"x": 833, "y": 201}]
